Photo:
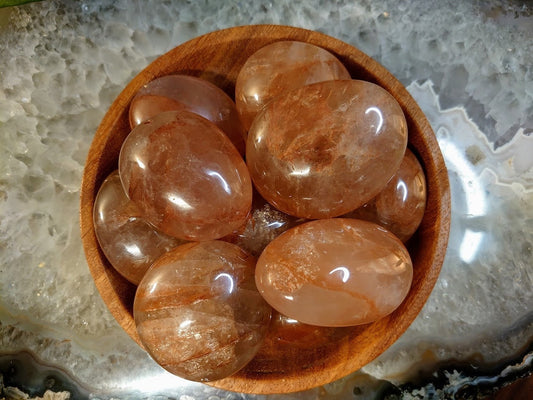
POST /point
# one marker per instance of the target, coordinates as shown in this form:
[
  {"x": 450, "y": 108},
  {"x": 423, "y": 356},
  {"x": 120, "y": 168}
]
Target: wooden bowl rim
[{"x": 435, "y": 225}]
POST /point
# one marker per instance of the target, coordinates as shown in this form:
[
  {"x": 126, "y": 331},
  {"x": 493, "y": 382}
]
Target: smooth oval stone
[
  {"x": 335, "y": 272},
  {"x": 325, "y": 149},
  {"x": 198, "y": 312},
  {"x": 182, "y": 92},
  {"x": 186, "y": 176},
  {"x": 279, "y": 67},
  {"x": 129, "y": 243},
  {"x": 264, "y": 223},
  {"x": 401, "y": 205}
]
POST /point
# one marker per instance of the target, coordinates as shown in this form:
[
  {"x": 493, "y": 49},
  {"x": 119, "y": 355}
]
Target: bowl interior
[{"x": 283, "y": 364}]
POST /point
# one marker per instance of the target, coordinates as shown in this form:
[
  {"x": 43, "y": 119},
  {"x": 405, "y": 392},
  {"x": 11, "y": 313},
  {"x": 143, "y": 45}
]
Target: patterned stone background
[{"x": 468, "y": 65}]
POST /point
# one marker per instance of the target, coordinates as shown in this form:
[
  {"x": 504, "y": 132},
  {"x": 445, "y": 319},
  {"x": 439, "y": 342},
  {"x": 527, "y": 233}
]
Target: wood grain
[{"x": 279, "y": 367}]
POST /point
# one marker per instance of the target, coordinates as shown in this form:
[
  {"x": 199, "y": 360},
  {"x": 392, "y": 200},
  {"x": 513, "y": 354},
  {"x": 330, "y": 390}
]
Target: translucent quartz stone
[
  {"x": 335, "y": 272},
  {"x": 198, "y": 312},
  {"x": 263, "y": 225},
  {"x": 325, "y": 149},
  {"x": 129, "y": 243},
  {"x": 182, "y": 92},
  {"x": 280, "y": 67},
  {"x": 287, "y": 331},
  {"x": 186, "y": 176},
  {"x": 401, "y": 205}
]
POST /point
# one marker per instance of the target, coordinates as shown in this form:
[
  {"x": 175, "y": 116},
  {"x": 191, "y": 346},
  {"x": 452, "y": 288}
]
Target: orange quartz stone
[
  {"x": 185, "y": 176},
  {"x": 198, "y": 312},
  {"x": 285, "y": 331},
  {"x": 335, "y": 272},
  {"x": 182, "y": 92},
  {"x": 325, "y": 149},
  {"x": 401, "y": 205},
  {"x": 280, "y": 67},
  {"x": 129, "y": 243}
]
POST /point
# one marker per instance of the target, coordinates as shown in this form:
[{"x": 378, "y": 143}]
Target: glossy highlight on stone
[
  {"x": 183, "y": 92},
  {"x": 129, "y": 243},
  {"x": 186, "y": 176},
  {"x": 198, "y": 312},
  {"x": 401, "y": 205},
  {"x": 280, "y": 67},
  {"x": 325, "y": 149},
  {"x": 335, "y": 272}
]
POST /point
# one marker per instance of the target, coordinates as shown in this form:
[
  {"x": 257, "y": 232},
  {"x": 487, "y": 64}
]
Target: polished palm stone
[
  {"x": 335, "y": 272},
  {"x": 263, "y": 225},
  {"x": 325, "y": 149},
  {"x": 182, "y": 92},
  {"x": 198, "y": 312},
  {"x": 401, "y": 205},
  {"x": 279, "y": 67},
  {"x": 129, "y": 243},
  {"x": 186, "y": 177}
]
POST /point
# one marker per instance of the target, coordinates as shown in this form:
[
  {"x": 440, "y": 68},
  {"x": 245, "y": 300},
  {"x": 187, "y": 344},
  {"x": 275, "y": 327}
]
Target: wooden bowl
[{"x": 281, "y": 365}]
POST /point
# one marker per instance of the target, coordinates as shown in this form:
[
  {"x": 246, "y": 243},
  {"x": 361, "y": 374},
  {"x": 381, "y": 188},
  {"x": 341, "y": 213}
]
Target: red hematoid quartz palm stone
[
  {"x": 325, "y": 149},
  {"x": 129, "y": 242},
  {"x": 182, "y": 92},
  {"x": 280, "y": 67},
  {"x": 335, "y": 272},
  {"x": 400, "y": 206},
  {"x": 186, "y": 176},
  {"x": 198, "y": 312}
]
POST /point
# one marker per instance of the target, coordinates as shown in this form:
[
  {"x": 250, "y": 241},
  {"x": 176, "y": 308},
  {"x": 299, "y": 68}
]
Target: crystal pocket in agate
[
  {"x": 280, "y": 67},
  {"x": 129, "y": 243},
  {"x": 186, "y": 176},
  {"x": 182, "y": 92},
  {"x": 335, "y": 272},
  {"x": 323, "y": 150},
  {"x": 198, "y": 312}
]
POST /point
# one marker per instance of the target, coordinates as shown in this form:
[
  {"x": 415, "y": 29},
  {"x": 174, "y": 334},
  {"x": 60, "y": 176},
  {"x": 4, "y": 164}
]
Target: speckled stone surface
[{"x": 469, "y": 66}]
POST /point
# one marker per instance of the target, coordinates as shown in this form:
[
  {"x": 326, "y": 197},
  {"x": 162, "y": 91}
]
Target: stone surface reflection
[{"x": 198, "y": 311}]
